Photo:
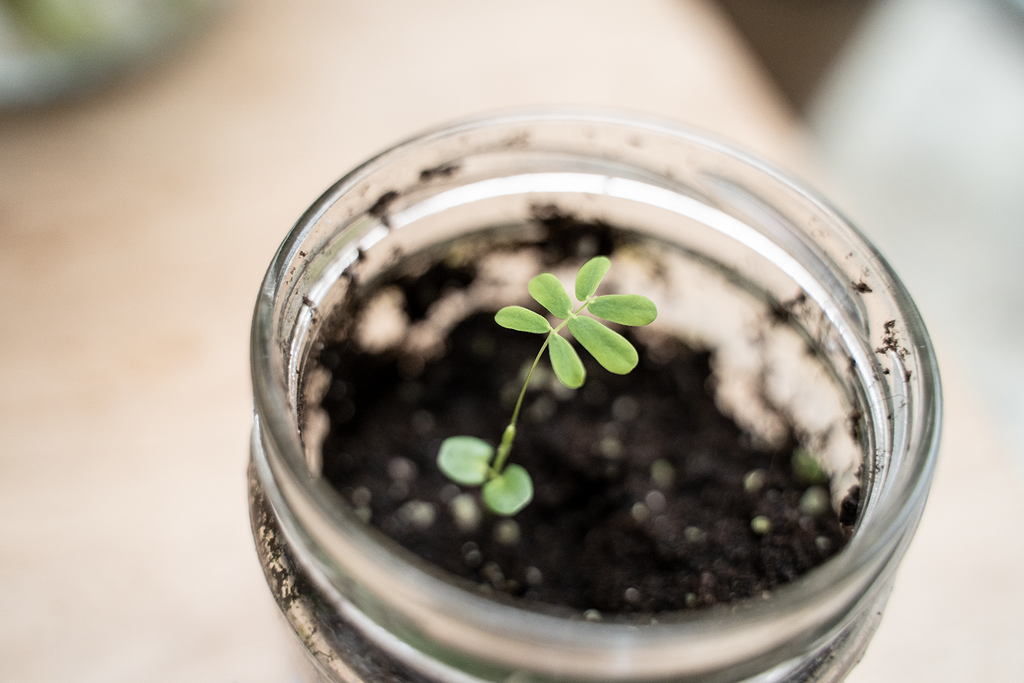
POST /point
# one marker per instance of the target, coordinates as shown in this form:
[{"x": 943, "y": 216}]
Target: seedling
[{"x": 468, "y": 460}]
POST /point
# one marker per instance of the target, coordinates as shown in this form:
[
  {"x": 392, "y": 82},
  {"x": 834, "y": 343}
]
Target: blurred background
[{"x": 153, "y": 153}]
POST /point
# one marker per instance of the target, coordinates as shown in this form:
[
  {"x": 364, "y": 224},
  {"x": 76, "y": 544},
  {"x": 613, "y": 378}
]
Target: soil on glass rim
[{"x": 645, "y": 492}]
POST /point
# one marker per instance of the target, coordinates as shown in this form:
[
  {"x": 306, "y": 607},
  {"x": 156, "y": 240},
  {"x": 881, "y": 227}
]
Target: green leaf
[
  {"x": 522, "y": 320},
  {"x": 610, "y": 349},
  {"x": 550, "y": 294},
  {"x": 590, "y": 275},
  {"x": 566, "y": 362},
  {"x": 625, "y": 309},
  {"x": 509, "y": 492},
  {"x": 465, "y": 459}
]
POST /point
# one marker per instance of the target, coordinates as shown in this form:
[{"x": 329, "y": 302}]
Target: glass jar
[{"x": 805, "y": 318}]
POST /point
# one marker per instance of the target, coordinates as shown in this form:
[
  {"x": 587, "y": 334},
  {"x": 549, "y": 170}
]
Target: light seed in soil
[
  {"x": 662, "y": 473},
  {"x": 418, "y": 513},
  {"x": 611, "y": 447},
  {"x": 693, "y": 534},
  {"x": 466, "y": 512},
  {"x": 754, "y": 481},
  {"x": 631, "y": 595},
  {"x": 761, "y": 525},
  {"x": 592, "y": 615},
  {"x": 690, "y": 600},
  {"x": 823, "y": 544},
  {"x": 402, "y": 469},
  {"x": 655, "y": 501},
  {"x": 506, "y": 532},
  {"x": 640, "y": 512},
  {"x": 814, "y": 502}
]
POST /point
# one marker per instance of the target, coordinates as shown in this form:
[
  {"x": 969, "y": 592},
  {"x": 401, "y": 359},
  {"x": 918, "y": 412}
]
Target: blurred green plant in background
[{"x": 55, "y": 48}]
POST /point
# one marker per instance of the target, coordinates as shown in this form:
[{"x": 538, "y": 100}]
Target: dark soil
[{"x": 640, "y": 499}]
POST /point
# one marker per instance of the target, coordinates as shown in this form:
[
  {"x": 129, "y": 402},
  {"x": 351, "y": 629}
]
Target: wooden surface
[{"x": 135, "y": 227}]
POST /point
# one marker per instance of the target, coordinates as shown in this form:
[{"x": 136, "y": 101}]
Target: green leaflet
[
  {"x": 465, "y": 459},
  {"x": 549, "y": 293},
  {"x": 625, "y": 309},
  {"x": 509, "y": 492},
  {"x": 611, "y": 349},
  {"x": 589, "y": 276},
  {"x": 566, "y": 362},
  {"x": 522, "y": 320}
]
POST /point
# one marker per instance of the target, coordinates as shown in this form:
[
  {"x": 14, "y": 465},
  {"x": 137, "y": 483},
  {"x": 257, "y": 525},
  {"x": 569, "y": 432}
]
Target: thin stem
[
  {"x": 510, "y": 431},
  {"x": 529, "y": 376}
]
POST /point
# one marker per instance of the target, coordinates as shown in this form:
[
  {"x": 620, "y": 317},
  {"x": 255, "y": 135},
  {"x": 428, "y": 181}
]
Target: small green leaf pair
[{"x": 467, "y": 460}]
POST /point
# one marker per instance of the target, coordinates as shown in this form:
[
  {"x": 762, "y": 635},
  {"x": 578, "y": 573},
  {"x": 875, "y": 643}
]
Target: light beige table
[{"x": 134, "y": 229}]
